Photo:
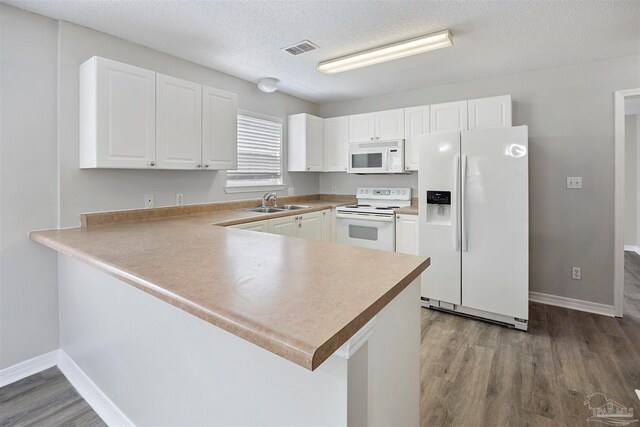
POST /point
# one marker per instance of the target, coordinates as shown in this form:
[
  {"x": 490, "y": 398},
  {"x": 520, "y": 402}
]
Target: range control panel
[{"x": 383, "y": 193}]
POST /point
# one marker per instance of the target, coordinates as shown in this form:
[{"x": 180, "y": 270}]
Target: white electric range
[{"x": 371, "y": 222}]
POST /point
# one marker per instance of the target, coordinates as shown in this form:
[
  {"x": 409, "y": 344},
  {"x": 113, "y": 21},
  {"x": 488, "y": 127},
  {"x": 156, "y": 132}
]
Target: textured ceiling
[{"x": 244, "y": 38}]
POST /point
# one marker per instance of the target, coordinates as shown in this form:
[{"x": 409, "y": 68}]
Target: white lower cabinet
[
  {"x": 286, "y": 226},
  {"x": 312, "y": 226},
  {"x": 407, "y": 234},
  {"x": 262, "y": 226}
]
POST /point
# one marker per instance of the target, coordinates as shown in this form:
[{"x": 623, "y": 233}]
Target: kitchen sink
[
  {"x": 292, "y": 207},
  {"x": 268, "y": 209},
  {"x": 279, "y": 208}
]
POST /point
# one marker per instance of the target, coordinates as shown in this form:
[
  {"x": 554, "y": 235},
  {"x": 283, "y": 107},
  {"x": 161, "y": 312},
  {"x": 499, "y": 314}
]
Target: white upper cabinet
[
  {"x": 389, "y": 124},
  {"x": 490, "y": 112},
  {"x": 381, "y": 125},
  {"x": 336, "y": 144},
  {"x": 117, "y": 115},
  {"x": 306, "y": 143},
  {"x": 362, "y": 127},
  {"x": 450, "y": 116},
  {"x": 138, "y": 119},
  {"x": 416, "y": 122},
  {"x": 178, "y": 123},
  {"x": 219, "y": 129}
]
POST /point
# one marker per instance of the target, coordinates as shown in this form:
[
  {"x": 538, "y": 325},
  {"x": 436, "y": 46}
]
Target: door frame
[{"x": 618, "y": 249}]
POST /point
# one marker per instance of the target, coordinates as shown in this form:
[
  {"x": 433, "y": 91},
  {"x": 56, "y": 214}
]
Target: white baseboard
[
  {"x": 630, "y": 248},
  {"x": 90, "y": 392},
  {"x": 574, "y": 304},
  {"x": 28, "y": 367}
]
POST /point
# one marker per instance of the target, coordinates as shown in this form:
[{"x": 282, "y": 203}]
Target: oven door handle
[{"x": 367, "y": 217}]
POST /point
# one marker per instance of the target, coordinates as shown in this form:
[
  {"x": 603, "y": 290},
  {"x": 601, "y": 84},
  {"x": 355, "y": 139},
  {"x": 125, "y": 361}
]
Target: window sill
[{"x": 253, "y": 188}]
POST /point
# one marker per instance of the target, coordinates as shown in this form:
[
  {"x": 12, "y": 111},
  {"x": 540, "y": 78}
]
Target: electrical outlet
[
  {"x": 574, "y": 182},
  {"x": 576, "y": 273},
  {"x": 291, "y": 191},
  {"x": 149, "y": 202},
  {"x": 334, "y": 190},
  {"x": 179, "y": 199}
]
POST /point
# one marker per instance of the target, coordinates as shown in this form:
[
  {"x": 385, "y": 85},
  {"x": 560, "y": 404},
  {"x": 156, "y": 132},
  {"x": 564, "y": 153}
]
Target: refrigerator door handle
[
  {"x": 456, "y": 192},
  {"x": 465, "y": 238}
]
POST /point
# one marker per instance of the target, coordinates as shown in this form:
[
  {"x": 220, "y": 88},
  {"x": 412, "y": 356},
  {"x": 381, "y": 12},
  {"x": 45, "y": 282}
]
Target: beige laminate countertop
[
  {"x": 297, "y": 298},
  {"x": 409, "y": 210}
]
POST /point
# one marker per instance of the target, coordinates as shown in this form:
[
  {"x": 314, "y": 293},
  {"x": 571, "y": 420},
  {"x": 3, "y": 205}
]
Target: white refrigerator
[{"x": 474, "y": 222}]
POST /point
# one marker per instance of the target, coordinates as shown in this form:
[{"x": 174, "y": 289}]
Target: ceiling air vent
[{"x": 301, "y": 47}]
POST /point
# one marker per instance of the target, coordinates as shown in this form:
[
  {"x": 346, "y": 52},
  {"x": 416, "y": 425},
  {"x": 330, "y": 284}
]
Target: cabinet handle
[
  {"x": 372, "y": 138},
  {"x": 206, "y": 166},
  {"x": 308, "y": 169},
  {"x": 198, "y": 166},
  {"x": 152, "y": 164}
]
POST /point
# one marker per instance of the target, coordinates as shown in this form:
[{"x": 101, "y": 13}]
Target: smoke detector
[{"x": 300, "y": 47}]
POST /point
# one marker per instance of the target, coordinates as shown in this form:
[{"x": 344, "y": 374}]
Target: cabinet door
[
  {"x": 328, "y": 221},
  {"x": 416, "y": 122},
  {"x": 315, "y": 144},
  {"x": 494, "y": 112},
  {"x": 178, "y": 123},
  {"x": 448, "y": 117},
  {"x": 262, "y": 226},
  {"x": 336, "y": 144},
  {"x": 117, "y": 115},
  {"x": 219, "y": 129},
  {"x": 361, "y": 127},
  {"x": 389, "y": 124},
  {"x": 310, "y": 226},
  {"x": 287, "y": 226},
  {"x": 407, "y": 234}
]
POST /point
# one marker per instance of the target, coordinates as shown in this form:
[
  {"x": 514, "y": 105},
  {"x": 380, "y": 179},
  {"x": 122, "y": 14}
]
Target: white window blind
[{"x": 259, "y": 152}]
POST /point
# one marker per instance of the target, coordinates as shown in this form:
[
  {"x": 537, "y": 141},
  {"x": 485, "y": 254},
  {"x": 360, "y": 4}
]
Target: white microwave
[{"x": 377, "y": 157}]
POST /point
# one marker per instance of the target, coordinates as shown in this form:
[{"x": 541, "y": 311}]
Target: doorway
[{"x": 627, "y": 212}]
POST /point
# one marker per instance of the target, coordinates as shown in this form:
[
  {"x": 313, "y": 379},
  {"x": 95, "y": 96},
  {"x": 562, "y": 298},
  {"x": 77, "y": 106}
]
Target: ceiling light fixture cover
[
  {"x": 386, "y": 53},
  {"x": 268, "y": 84}
]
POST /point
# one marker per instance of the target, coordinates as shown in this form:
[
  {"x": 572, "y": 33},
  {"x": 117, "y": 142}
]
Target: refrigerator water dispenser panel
[
  {"x": 438, "y": 197},
  {"x": 439, "y": 207}
]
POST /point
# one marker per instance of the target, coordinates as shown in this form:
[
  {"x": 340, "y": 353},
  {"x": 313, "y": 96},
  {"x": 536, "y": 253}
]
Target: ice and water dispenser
[{"x": 438, "y": 207}]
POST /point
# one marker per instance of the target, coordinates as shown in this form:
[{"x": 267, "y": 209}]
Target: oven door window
[
  {"x": 363, "y": 232},
  {"x": 366, "y": 160}
]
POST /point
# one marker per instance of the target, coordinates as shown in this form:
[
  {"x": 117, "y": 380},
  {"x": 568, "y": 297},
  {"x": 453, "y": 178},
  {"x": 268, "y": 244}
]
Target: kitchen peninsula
[{"x": 180, "y": 320}]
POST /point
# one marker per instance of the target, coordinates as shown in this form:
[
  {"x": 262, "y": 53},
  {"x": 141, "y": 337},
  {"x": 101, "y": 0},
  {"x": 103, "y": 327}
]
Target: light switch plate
[
  {"x": 574, "y": 182},
  {"x": 291, "y": 191}
]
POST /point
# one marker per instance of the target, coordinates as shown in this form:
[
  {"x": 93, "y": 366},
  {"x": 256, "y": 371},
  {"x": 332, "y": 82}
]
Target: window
[{"x": 259, "y": 152}]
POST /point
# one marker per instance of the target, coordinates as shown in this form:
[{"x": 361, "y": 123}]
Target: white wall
[
  {"x": 28, "y": 185},
  {"x": 569, "y": 111},
  {"x": 630, "y": 180},
  {"x": 100, "y": 190}
]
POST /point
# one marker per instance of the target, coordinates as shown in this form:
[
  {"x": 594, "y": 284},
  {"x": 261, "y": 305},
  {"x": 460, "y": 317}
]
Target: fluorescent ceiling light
[{"x": 387, "y": 53}]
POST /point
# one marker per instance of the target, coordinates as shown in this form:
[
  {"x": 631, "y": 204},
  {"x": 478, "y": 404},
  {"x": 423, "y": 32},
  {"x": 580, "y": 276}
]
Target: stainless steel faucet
[{"x": 266, "y": 198}]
